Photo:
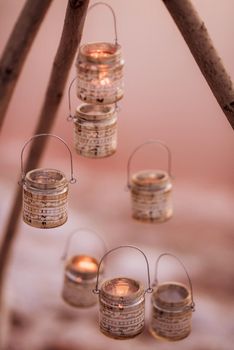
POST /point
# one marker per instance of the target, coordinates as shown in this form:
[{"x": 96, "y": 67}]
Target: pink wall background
[{"x": 166, "y": 98}]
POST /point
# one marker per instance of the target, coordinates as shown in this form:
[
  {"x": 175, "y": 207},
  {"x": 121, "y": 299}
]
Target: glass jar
[
  {"x": 151, "y": 193},
  {"x": 79, "y": 281},
  {"x": 151, "y": 190},
  {"x": 122, "y": 303},
  {"x": 171, "y": 312},
  {"x": 122, "y": 308},
  {"x": 80, "y": 269},
  {"x": 95, "y": 130},
  {"x": 100, "y": 73},
  {"x": 172, "y": 307},
  {"x": 45, "y": 193}
]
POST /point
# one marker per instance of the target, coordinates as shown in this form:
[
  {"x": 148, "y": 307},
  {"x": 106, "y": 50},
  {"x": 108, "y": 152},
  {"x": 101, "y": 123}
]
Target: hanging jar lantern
[
  {"x": 172, "y": 307},
  {"x": 45, "y": 193},
  {"x": 122, "y": 303},
  {"x": 80, "y": 275},
  {"x": 95, "y": 129},
  {"x": 100, "y": 70},
  {"x": 151, "y": 190}
]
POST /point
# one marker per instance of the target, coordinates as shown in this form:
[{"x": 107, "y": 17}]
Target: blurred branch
[
  {"x": 197, "y": 38},
  {"x": 71, "y": 36},
  {"x": 17, "y": 48}
]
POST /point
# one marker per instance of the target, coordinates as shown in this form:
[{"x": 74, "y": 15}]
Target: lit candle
[
  {"x": 99, "y": 53},
  {"x": 122, "y": 288},
  {"x": 105, "y": 82},
  {"x": 83, "y": 264}
]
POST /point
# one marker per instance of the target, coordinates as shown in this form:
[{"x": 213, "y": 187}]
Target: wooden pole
[
  {"x": 17, "y": 48},
  {"x": 70, "y": 39},
  {"x": 197, "y": 38}
]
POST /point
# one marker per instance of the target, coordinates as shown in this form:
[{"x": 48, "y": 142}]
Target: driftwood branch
[
  {"x": 197, "y": 38},
  {"x": 17, "y": 48},
  {"x": 71, "y": 36}
]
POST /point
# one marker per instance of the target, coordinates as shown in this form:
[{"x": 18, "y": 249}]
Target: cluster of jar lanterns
[
  {"x": 99, "y": 85},
  {"x": 122, "y": 299},
  {"x": 45, "y": 195}
]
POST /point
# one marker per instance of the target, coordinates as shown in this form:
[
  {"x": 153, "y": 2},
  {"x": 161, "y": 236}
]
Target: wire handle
[
  {"x": 70, "y": 116},
  {"x": 72, "y": 179},
  {"x": 140, "y": 146},
  {"x": 185, "y": 270},
  {"x": 148, "y": 290},
  {"x": 68, "y": 242},
  {"x": 113, "y": 14}
]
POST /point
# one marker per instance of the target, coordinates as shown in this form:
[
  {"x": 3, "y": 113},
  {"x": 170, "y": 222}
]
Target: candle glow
[
  {"x": 105, "y": 81},
  {"x": 99, "y": 53},
  {"x": 100, "y": 72},
  {"x": 121, "y": 289},
  {"x": 84, "y": 264}
]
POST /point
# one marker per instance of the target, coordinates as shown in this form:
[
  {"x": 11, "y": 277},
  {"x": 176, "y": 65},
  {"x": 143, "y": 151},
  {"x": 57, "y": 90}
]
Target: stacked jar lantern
[
  {"x": 151, "y": 190},
  {"x": 45, "y": 193},
  {"x": 172, "y": 307},
  {"x": 95, "y": 130},
  {"x": 122, "y": 304},
  {"x": 100, "y": 73},
  {"x": 100, "y": 85},
  {"x": 80, "y": 274}
]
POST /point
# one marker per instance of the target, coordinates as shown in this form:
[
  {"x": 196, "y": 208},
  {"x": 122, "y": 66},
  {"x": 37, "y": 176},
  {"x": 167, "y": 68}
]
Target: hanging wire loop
[
  {"x": 162, "y": 144},
  {"x": 192, "y": 306},
  {"x": 148, "y": 290},
  {"x": 23, "y": 174},
  {"x": 113, "y": 14},
  {"x": 78, "y": 232},
  {"x": 70, "y": 116}
]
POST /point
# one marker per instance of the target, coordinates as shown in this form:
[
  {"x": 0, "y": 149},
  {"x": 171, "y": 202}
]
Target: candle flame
[
  {"x": 99, "y": 53},
  {"x": 105, "y": 81},
  {"x": 120, "y": 306},
  {"x": 84, "y": 264},
  {"x": 121, "y": 289}
]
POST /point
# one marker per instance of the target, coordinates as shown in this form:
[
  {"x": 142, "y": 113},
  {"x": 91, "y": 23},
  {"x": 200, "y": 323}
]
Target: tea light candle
[
  {"x": 123, "y": 287},
  {"x": 99, "y": 53},
  {"x": 82, "y": 265}
]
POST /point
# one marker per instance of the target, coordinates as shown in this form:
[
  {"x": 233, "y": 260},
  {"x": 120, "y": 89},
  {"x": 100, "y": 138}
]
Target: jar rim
[
  {"x": 93, "y": 112},
  {"x": 171, "y": 295},
  {"x": 131, "y": 288},
  {"x": 45, "y": 178},
  {"x": 150, "y": 178},
  {"x": 99, "y": 52}
]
